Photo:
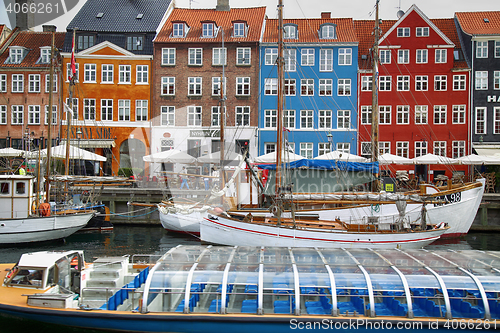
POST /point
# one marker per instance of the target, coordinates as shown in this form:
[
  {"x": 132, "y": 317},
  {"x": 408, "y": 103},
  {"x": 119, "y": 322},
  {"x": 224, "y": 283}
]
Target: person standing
[
  {"x": 216, "y": 175},
  {"x": 184, "y": 178},
  {"x": 206, "y": 179}
]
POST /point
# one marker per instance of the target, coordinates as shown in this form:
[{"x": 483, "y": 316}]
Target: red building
[{"x": 423, "y": 94}]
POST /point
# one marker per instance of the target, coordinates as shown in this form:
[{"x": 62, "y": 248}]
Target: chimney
[
  {"x": 25, "y": 21},
  {"x": 223, "y": 6},
  {"x": 49, "y": 28},
  {"x": 326, "y": 15}
]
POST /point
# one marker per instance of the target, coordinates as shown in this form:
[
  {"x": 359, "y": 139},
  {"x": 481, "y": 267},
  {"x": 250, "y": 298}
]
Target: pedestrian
[
  {"x": 215, "y": 174},
  {"x": 22, "y": 171},
  {"x": 184, "y": 178},
  {"x": 206, "y": 179}
]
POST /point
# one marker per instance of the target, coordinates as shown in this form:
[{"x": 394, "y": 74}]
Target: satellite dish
[{"x": 400, "y": 13}]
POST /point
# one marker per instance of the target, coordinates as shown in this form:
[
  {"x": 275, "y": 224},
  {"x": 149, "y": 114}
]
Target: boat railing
[
  {"x": 113, "y": 297},
  {"x": 147, "y": 259}
]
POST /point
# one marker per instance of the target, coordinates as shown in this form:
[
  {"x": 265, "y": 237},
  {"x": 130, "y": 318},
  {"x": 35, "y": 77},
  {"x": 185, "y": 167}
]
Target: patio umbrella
[
  {"x": 341, "y": 156},
  {"x": 434, "y": 159},
  {"x": 75, "y": 153},
  {"x": 479, "y": 160},
  {"x": 271, "y": 157},
  {"x": 215, "y": 157},
  {"x": 170, "y": 156},
  {"x": 393, "y": 159},
  {"x": 11, "y": 152}
]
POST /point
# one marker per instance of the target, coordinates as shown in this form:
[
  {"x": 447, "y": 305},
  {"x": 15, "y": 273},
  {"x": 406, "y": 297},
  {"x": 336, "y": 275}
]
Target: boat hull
[
  {"x": 39, "y": 229},
  {"x": 226, "y": 231},
  {"x": 188, "y": 222}
]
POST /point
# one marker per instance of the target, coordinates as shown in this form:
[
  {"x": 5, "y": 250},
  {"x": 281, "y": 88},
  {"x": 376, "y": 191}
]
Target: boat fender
[
  {"x": 274, "y": 210},
  {"x": 34, "y": 208},
  {"x": 440, "y": 225},
  {"x": 44, "y": 209}
]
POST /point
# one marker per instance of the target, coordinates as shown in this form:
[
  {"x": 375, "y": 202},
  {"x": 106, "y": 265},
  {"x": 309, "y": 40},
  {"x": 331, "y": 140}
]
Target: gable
[
  {"x": 107, "y": 51},
  {"x": 106, "y": 48}
]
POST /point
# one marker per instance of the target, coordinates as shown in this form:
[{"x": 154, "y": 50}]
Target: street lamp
[{"x": 329, "y": 136}]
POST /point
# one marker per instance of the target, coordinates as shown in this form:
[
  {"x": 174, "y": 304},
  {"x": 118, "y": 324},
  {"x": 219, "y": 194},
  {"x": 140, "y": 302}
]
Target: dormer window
[
  {"x": 16, "y": 54},
  {"x": 209, "y": 30},
  {"x": 135, "y": 43},
  {"x": 44, "y": 55},
  {"x": 239, "y": 29},
  {"x": 179, "y": 30},
  {"x": 328, "y": 31},
  {"x": 85, "y": 41},
  {"x": 290, "y": 31}
]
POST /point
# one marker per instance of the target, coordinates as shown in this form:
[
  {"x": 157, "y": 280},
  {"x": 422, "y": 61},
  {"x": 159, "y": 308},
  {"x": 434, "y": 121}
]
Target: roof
[
  {"x": 254, "y": 17},
  {"x": 120, "y": 16},
  {"x": 308, "y": 30},
  {"x": 43, "y": 259},
  {"x": 32, "y": 41},
  {"x": 479, "y": 23}
]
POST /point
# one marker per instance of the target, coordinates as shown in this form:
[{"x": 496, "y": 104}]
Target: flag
[
  {"x": 286, "y": 129},
  {"x": 73, "y": 62}
]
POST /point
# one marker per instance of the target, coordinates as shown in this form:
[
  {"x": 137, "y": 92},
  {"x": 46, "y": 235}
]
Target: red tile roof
[
  {"x": 473, "y": 23},
  {"x": 254, "y": 17},
  {"x": 308, "y": 30},
  {"x": 32, "y": 41}
]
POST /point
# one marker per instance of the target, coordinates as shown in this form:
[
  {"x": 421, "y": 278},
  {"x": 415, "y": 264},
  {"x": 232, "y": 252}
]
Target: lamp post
[{"x": 329, "y": 136}]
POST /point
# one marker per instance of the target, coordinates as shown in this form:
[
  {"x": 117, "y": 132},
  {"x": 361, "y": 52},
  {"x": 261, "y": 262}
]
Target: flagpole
[{"x": 49, "y": 121}]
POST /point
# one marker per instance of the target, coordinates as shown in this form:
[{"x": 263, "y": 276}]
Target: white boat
[{"x": 21, "y": 222}]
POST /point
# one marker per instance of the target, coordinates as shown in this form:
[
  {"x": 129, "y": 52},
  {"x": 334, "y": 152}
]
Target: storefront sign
[{"x": 204, "y": 133}]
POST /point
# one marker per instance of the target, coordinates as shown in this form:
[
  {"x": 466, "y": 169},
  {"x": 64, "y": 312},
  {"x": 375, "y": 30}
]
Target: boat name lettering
[
  {"x": 204, "y": 133},
  {"x": 450, "y": 198}
]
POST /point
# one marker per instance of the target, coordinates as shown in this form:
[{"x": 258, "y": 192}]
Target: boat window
[
  {"x": 4, "y": 188},
  {"x": 20, "y": 187},
  {"x": 63, "y": 268},
  {"x": 51, "y": 277},
  {"x": 27, "y": 277}
]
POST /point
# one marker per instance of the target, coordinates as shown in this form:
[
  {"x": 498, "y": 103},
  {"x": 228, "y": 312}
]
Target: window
[
  {"x": 168, "y": 115},
  {"x": 208, "y": 29},
  {"x": 54, "y": 114},
  {"x": 328, "y": 31},
  {"x": 17, "y": 83},
  {"x": 384, "y": 114},
  {"x": 141, "y": 110},
  {"x": 107, "y": 74},
  {"x": 168, "y": 56},
  {"x": 269, "y": 147},
  {"x": 480, "y": 120},
  {"x": 344, "y": 87},
  {"x": 403, "y": 114},
  {"x": 89, "y": 73},
  {"x": 496, "y": 80},
  {"x": 440, "y": 148},
  {"x": 270, "y": 118},
  {"x": 345, "y": 56},
  {"x": 135, "y": 43},
  {"x": 74, "y": 106},
  {"x": 215, "y": 116},
  {"x": 421, "y": 114},
  {"x": 33, "y": 114},
  {"x": 3, "y": 82},
  {"x": 440, "y": 56},
  {"x": 385, "y": 83},
  {"x": 271, "y": 56},
  {"x": 290, "y": 60},
  {"x": 17, "y": 115},
  {"x": 242, "y": 86},
  {"x": 307, "y": 87},
  {"x": 68, "y": 71},
  {"x": 216, "y": 88},
  {"x": 178, "y": 30},
  {"x": 289, "y": 119},
  {"x": 384, "y": 147},
  {"x": 421, "y": 82},
  {"x": 496, "y": 120},
  {"x": 307, "y": 57},
  {"x": 89, "y": 109},
  {"x": 195, "y": 56},
  {"x": 106, "y": 109},
  {"x": 366, "y": 114},
  {"x": 459, "y": 82},
  {"x": 142, "y": 74},
  {"x": 271, "y": 86},
  {"x": 219, "y": 56},
  {"x": 458, "y": 114},
  {"x": 194, "y": 115},
  {"x": 15, "y": 55},
  {"x": 323, "y": 148},
  {"x": 482, "y": 49},
  {"x": 306, "y": 149},
  {"x": 385, "y": 56},
  {"x": 194, "y": 86},
  {"x": 402, "y": 148},
  {"x": 54, "y": 83},
  {"x": 481, "y": 80},
  {"x": 3, "y": 114},
  {"x": 325, "y": 87},
  {"x": 289, "y": 31},
  {"x": 440, "y": 114},
  {"x": 243, "y": 55},
  {"x": 343, "y": 119},
  {"x": 290, "y": 87},
  {"x": 403, "y": 83},
  {"x": 403, "y": 32},
  {"x": 325, "y": 119},
  {"x": 422, "y": 31},
  {"x": 326, "y": 60},
  {"x": 84, "y": 42},
  {"x": 34, "y": 83},
  {"x": 306, "y": 119},
  {"x": 366, "y": 149},
  {"x": 421, "y": 57},
  {"x": 458, "y": 148},
  {"x": 497, "y": 49},
  {"x": 239, "y": 29},
  {"x": 44, "y": 55},
  {"x": 343, "y": 147},
  {"x": 440, "y": 82},
  {"x": 403, "y": 56},
  {"x": 420, "y": 148},
  {"x": 366, "y": 83},
  {"x": 168, "y": 85},
  {"x": 124, "y": 110},
  {"x": 124, "y": 73},
  {"x": 242, "y": 116}
]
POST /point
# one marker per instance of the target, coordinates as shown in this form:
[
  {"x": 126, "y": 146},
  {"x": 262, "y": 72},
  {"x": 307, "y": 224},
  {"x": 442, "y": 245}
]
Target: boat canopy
[
  {"x": 300, "y": 281},
  {"x": 371, "y": 167}
]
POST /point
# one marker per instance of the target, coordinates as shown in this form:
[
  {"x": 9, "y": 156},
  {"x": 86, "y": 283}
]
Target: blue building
[{"x": 320, "y": 86}]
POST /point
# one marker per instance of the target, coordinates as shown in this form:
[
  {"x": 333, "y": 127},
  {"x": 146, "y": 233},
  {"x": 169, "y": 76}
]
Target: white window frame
[
  {"x": 325, "y": 87},
  {"x": 439, "y": 148},
  {"x": 440, "y": 83},
  {"x": 16, "y": 54},
  {"x": 271, "y": 86},
  {"x": 289, "y": 119},
  {"x": 124, "y": 74},
  {"x": 385, "y": 114},
  {"x": 306, "y": 87},
  {"x": 242, "y": 115},
  {"x": 496, "y": 80},
  {"x": 54, "y": 115},
  {"x": 440, "y": 56},
  {"x": 403, "y": 56},
  {"x": 271, "y": 56},
  {"x": 307, "y": 57},
  {"x": 54, "y": 82},
  {"x": 142, "y": 74},
  {"x": 440, "y": 114},
  {"x": 482, "y": 49},
  {"x": 270, "y": 119},
  {"x": 17, "y": 115},
  {"x": 243, "y": 56},
  {"x": 195, "y": 86},
  {"x": 366, "y": 83},
  {"x": 74, "y": 106},
  {"x": 366, "y": 114},
  {"x": 290, "y": 31},
  {"x": 481, "y": 80},
  {"x": 141, "y": 110},
  {"x": 195, "y": 56},
  {"x": 167, "y": 115},
  {"x": 243, "y": 86},
  {"x": 17, "y": 83},
  {"x": 421, "y": 114},
  {"x": 306, "y": 149},
  {"x": 167, "y": 86},
  {"x": 106, "y": 109},
  {"x": 497, "y": 49},
  {"x": 403, "y": 32},
  {"x": 107, "y": 73},
  {"x": 3, "y": 114},
  {"x": 422, "y": 31},
  {"x": 178, "y": 30},
  {"x": 216, "y": 86},
  {"x": 421, "y": 83},
  {"x": 325, "y": 119},
  {"x": 458, "y": 148},
  {"x": 343, "y": 119},
  {"x": 168, "y": 56},
  {"x": 219, "y": 56},
  {"x": 89, "y": 109},
  {"x": 420, "y": 148},
  {"x": 403, "y": 83},
  {"x": 480, "y": 116},
  {"x": 403, "y": 148},
  {"x": 215, "y": 116},
  {"x": 239, "y": 29},
  {"x": 68, "y": 72},
  {"x": 290, "y": 87},
  {"x": 194, "y": 115},
  {"x": 403, "y": 115},
  {"x": 385, "y": 56},
  {"x": 34, "y": 113},
  {"x": 208, "y": 30},
  {"x": 290, "y": 59},
  {"x": 326, "y": 60},
  {"x": 422, "y": 56},
  {"x": 496, "y": 120},
  {"x": 269, "y": 147},
  {"x": 345, "y": 56},
  {"x": 459, "y": 82},
  {"x": 385, "y": 83},
  {"x": 458, "y": 114},
  {"x": 344, "y": 87},
  {"x": 306, "y": 119},
  {"x": 124, "y": 110},
  {"x": 89, "y": 73},
  {"x": 3, "y": 83},
  {"x": 34, "y": 83}
]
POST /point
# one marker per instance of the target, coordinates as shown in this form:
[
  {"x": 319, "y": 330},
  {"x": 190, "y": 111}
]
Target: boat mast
[
  {"x": 49, "y": 121},
  {"x": 279, "y": 112},
  {"x": 69, "y": 114},
  {"x": 222, "y": 114},
  {"x": 375, "y": 113}
]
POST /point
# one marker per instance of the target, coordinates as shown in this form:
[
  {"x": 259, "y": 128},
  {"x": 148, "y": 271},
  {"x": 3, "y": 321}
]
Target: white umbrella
[
  {"x": 11, "y": 152},
  {"x": 341, "y": 156},
  {"x": 59, "y": 152},
  {"x": 170, "y": 156},
  {"x": 271, "y": 157},
  {"x": 434, "y": 159},
  {"x": 479, "y": 160},
  {"x": 215, "y": 157},
  {"x": 393, "y": 159}
]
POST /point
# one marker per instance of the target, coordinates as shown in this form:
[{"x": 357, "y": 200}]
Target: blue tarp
[{"x": 371, "y": 167}]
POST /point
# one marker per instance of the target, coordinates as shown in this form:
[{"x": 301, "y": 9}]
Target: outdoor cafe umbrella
[
  {"x": 341, "y": 156},
  {"x": 434, "y": 159},
  {"x": 11, "y": 152},
  {"x": 271, "y": 157},
  {"x": 393, "y": 159},
  {"x": 479, "y": 160},
  {"x": 170, "y": 156},
  {"x": 59, "y": 152}
]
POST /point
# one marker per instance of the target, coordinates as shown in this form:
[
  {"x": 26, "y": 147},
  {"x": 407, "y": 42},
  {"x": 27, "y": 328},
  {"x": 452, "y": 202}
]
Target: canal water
[{"x": 129, "y": 240}]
